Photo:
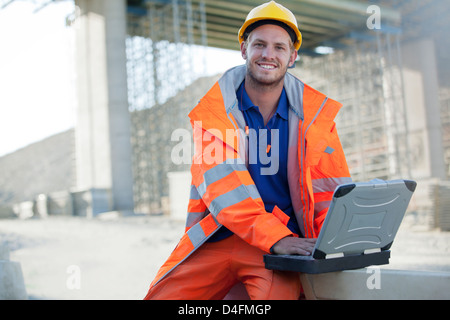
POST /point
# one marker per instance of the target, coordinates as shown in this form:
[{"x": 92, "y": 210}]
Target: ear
[
  {"x": 244, "y": 50},
  {"x": 293, "y": 57}
]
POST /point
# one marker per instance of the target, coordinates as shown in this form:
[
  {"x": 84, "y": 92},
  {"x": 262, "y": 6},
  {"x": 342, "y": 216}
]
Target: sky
[
  {"x": 37, "y": 73},
  {"x": 36, "y": 78}
]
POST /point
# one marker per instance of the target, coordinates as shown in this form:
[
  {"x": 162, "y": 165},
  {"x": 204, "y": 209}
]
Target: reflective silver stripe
[
  {"x": 194, "y": 217},
  {"x": 319, "y": 206},
  {"x": 194, "y": 195},
  {"x": 328, "y": 184},
  {"x": 216, "y": 221},
  {"x": 253, "y": 191},
  {"x": 196, "y": 235},
  {"x": 303, "y": 152},
  {"x": 218, "y": 172},
  {"x": 232, "y": 197},
  {"x": 294, "y": 91}
]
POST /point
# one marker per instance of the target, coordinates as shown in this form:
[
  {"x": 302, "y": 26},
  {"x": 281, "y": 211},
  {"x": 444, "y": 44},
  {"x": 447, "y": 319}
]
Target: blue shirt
[{"x": 268, "y": 171}]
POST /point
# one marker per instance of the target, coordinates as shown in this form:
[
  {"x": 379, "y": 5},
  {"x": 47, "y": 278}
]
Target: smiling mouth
[{"x": 267, "y": 66}]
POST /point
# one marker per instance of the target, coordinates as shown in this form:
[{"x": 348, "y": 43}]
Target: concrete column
[
  {"x": 423, "y": 108},
  {"x": 103, "y": 121}
]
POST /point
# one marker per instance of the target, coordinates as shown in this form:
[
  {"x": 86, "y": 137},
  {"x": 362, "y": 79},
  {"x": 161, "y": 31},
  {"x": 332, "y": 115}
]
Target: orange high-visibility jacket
[{"x": 223, "y": 192}]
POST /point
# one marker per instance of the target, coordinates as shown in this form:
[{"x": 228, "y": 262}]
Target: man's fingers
[
  {"x": 291, "y": 245},
  {"x": 304, "y": 250},
  {"x": 300, "y": 251}
]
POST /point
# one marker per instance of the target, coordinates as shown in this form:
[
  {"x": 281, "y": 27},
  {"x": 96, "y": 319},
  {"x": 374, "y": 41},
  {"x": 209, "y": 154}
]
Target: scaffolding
[
  {"x": 366, "y": 78},
  {"x": 166, "y": 51},
  {"x": 365, "y": 74}
]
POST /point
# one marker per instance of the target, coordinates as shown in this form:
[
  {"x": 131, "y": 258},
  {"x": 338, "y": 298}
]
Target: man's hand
[{"x": 291, "y": 245}]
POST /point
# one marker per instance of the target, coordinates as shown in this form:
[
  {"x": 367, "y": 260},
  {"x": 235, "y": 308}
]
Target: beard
[{"x": 264, "y": 81}]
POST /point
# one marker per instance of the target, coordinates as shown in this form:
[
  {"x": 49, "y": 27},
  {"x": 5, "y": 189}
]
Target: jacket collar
[
  {"x": 232, "y": 79},
  {"x": 218, "y": 109},
  {"x": 246, "y": 103}
]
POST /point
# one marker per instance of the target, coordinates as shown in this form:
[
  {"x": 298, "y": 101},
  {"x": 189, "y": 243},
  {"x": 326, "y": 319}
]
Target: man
[{"x": 267, "y": 189}]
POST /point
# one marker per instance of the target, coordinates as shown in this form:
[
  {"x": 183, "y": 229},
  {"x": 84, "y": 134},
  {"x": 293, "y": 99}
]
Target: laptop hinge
[
  {"x": 334, "y": 255},
  {"x": 369, "y": 251}
]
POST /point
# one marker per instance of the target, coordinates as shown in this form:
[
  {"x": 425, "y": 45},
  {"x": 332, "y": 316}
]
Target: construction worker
[{"x": 266, "y": 189}]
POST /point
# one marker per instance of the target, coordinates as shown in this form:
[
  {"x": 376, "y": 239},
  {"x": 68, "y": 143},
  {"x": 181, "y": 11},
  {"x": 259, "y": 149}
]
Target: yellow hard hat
[{"x": 272, "y": 11}]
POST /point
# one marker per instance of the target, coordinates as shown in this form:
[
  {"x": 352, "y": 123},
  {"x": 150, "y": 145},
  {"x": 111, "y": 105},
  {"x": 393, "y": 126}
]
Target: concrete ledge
[
  {"x": 12, "y": 285},
  {"x": 374, "y": 283}
]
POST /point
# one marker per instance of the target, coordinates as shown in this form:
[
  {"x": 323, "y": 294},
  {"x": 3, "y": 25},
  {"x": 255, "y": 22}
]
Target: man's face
[{"x": 268, "y": 53}]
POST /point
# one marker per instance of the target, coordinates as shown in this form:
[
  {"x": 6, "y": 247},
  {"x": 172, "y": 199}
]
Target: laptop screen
[{"x": 364, "y": 217}]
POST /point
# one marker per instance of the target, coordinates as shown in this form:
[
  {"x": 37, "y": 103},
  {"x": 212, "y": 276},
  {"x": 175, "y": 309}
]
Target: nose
[{"x": 268, "y": 53}]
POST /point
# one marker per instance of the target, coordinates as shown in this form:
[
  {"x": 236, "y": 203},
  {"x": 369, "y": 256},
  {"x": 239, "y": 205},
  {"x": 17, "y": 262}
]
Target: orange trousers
[{"x": 213, "y": 269}]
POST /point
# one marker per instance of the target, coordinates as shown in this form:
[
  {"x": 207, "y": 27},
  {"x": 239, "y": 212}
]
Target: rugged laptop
[{"x": 358, "y": 231}]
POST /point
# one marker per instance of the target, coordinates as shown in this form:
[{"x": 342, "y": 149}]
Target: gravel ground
[{"x": 76, "y": 258}]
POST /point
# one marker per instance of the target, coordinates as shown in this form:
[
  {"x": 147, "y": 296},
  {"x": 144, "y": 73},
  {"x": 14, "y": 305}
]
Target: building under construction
[
  {"x": 392, "y": 79},
  {"x": 387, "y": 61}
]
